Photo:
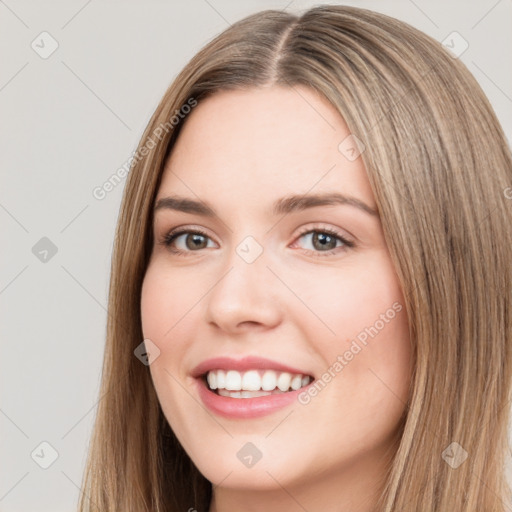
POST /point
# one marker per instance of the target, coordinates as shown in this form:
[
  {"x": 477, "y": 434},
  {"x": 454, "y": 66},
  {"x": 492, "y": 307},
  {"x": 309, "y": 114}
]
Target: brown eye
[
  {"x": 194, "y": 240},
  {"x": 325, "y": 241}
]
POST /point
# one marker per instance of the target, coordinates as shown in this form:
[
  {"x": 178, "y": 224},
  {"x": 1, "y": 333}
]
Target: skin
[{"x": 240, "y": 151}]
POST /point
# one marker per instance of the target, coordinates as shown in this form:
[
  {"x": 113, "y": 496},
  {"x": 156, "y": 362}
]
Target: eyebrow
[{"x": 282, "y": 206}]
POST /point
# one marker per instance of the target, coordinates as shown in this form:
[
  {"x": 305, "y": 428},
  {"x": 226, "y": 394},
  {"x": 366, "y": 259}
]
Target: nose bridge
[{"x": 244, "y": 291}]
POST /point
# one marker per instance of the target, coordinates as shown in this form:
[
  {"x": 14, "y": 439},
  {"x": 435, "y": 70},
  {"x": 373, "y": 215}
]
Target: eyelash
[{"x": 169, "y": 238}]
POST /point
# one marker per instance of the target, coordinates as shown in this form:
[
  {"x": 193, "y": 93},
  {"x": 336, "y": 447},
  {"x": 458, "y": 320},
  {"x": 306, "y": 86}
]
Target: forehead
[{"x": 265, "y": 142}]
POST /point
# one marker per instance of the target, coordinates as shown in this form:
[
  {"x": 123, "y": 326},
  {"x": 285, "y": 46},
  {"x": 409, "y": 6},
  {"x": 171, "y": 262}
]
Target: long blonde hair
[{"x": 439, "y": 167}]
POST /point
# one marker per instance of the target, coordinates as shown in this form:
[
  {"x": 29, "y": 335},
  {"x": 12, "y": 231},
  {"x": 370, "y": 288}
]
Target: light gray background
[{"x": 68, "y": 123}]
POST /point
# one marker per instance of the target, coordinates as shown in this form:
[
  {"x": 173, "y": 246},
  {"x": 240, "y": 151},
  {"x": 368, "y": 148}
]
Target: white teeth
[
  {"x": 212, "y": 380},
  {"x": 269, "y": 380},
  {"x": 221, "y": 379},
  {"x": 243, "y": 394},
  {"x": 251, "y": 381},
  {"x": 254, "y": 382},
  {"x": 233, "y": 380},
  {"x": 284, "y": 381},
  {"x": 296, "y": 382}
]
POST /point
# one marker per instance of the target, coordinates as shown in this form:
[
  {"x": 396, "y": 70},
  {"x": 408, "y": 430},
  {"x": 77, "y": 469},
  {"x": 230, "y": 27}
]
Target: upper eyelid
[{"x": 311, "y": 226}]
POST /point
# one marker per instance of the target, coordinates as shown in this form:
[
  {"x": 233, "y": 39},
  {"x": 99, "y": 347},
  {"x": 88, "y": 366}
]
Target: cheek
[
  {"x": 360, "y": 300},
  {"x": 169, "y": 300},
  {"x": 360, "y": 322},
  {"x": 165, "y": 303},
  {"x": 167, "y": 320},
  {"x": 369, "y": 356}
]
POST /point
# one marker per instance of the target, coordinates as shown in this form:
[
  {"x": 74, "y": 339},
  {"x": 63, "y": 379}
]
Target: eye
[
  {"x": 324, "y": 241},
  {"x": 193, "y": 239}
]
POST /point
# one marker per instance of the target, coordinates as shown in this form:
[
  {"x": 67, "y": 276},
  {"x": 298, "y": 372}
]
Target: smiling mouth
[{"x": 253, "y": 383}]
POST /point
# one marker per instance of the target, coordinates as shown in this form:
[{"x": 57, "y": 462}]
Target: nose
[{"x": 246, "y": 296}]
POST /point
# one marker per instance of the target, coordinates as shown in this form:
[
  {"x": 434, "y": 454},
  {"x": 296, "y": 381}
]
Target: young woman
[{"x": 310, "y": 299}]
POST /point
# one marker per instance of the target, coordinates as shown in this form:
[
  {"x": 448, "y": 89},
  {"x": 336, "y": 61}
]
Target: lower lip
[{"x": 245, "y": 407}]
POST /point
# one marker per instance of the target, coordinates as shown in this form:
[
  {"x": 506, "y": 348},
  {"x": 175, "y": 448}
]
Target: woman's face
[{"x": 303, "y": 285}]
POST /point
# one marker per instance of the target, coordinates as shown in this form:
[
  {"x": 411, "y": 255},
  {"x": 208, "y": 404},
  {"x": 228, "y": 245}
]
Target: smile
[
  {"x": 254, "y": 383},
  {"x": 249, "y": 387}
]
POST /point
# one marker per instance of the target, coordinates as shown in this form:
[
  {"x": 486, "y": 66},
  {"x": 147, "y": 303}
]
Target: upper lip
[{"x": 246, "y": 363}]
